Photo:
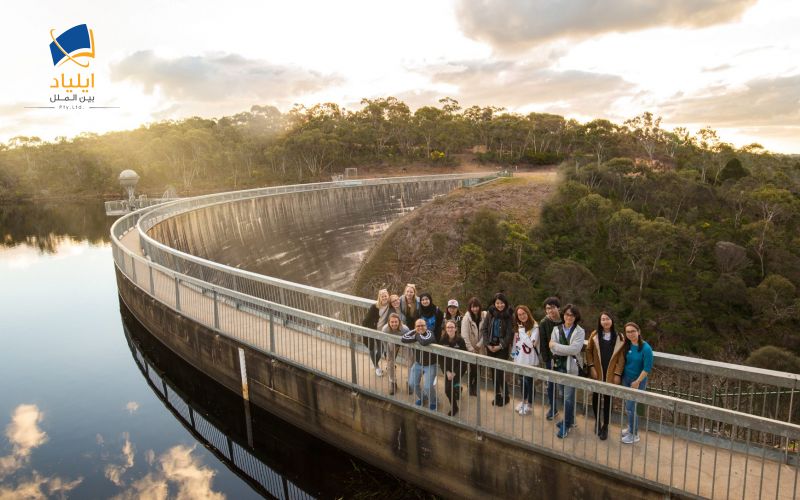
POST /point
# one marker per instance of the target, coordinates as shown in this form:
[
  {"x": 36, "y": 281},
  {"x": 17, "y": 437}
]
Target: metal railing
[
  {"x": 685, "y": 441},
  {"x": 122, "y": 207}
]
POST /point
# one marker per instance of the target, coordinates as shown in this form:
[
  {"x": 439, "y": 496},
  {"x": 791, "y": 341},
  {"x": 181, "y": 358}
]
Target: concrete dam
[{"x": 248, "y": 287}]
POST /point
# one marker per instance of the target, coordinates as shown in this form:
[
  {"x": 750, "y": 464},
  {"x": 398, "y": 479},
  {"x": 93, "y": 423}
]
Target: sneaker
[
  {"x": 562, "y": 431},
  {"x": 379, "y": 372},
  {"x": 573, "y": 425},
  {"x": 518, "y": 408},
  {"x": 625, "y": 432},
  {"x": 432, "y": 407},
  {"x": 551, "y": 414},
  {"x": 525, "y": 410},
  {"x": 630, "y": 438},
  {"x": 418, "y": 402}
]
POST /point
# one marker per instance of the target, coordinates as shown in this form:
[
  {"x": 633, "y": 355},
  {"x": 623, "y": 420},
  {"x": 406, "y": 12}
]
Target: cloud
[
  {"x": 39, "y": 487},
  {"x": 514, "y": 24},
  {"x": 179, "y": 466},
  {"x": 217, "y": 77},
  {"x": 114, "y": 472},
  {"x": 762, "y": 102},
  {"x": 519, "y": 85},
  {"x": 132, "y": 407},
  {"x": 24, "y": 435}
]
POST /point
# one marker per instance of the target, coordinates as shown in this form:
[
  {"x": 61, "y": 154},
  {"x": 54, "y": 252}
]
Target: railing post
[
  {"x": 152, "y": 283},
  {"x": 353, "y": 370},
  {"x": 133, "y": 269},
  {"x": 271, "y": 331},
  {"x": 216, "y": 311},
  {"x": 177, "y": 294},
  {"x": 478, "y": 392}
]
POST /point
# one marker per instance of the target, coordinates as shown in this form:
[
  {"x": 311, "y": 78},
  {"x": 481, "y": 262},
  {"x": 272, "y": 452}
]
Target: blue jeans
[
  {"x": 630, "y": 406},
  {"x": 569, "y": 401},
  {"x": 551, "y": 389},
  {"x": 527, "y": 389},
  {"x": 429, "y": 373}
]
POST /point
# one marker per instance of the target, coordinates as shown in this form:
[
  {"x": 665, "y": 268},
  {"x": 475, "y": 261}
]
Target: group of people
[{"x": 510, "y": 333}]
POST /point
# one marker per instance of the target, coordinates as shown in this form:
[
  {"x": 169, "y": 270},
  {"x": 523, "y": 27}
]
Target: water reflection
[
  {"x": 47, "y": 226},
  {"x": 281, "y": 456},
  {"x": 24, "y": 435}
]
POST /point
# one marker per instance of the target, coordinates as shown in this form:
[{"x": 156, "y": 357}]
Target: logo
[{"x": 68, "y": 45}]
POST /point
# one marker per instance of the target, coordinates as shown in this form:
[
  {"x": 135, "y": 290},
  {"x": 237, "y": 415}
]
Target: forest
[
  {"x": 263, "y": 146},
  {"x": 696, "y": 239}
]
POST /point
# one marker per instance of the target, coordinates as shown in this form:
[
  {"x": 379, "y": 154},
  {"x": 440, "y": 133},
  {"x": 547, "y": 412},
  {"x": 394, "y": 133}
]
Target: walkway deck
[{"x": 686, "y": 465}]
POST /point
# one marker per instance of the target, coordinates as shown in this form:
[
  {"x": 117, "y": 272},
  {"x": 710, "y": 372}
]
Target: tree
[
  {"x": 771, "y": 204},
  {"x": 733, "y": 169},
  {"x": 569, "y": 279},
  {"x": 647, "y": 132},
  {"x": 599, "y": 135},
  {"x": 774, "y": 299}
]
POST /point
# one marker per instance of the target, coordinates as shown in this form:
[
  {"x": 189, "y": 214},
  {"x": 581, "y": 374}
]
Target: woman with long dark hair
[
  {"x": 605, "y": 357},
  {"x": 452, "y": 368},
  {"x": 498, "y": 334},
  {"x": 470, "y": 332}
]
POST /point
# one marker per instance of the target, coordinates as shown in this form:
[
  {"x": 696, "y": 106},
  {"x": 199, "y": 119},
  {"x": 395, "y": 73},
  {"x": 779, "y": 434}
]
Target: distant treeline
[{"x": 265, "y": 146}]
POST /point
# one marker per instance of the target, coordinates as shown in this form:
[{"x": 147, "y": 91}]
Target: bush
[{"x": 774, "y": 358}]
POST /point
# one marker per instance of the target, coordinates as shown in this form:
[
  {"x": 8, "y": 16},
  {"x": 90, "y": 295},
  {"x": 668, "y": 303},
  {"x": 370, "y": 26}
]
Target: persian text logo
[
  {"x": 76, "y": 45},
  {"x": 77, "y": 42}
]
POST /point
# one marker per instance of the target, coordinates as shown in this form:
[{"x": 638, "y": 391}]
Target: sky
[{"x": 733, "y": 65}]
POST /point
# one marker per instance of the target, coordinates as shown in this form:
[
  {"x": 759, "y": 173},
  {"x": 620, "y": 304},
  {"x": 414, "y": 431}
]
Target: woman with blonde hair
[
  {"x": 377, "y": 316},
  {"x": 409, "y": 305}
]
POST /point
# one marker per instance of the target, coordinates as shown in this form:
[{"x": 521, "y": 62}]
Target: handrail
[{"x": 725, "y": 430}]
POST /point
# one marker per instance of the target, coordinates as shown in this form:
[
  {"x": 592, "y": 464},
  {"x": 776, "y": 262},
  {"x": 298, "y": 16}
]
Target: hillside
[{"x": 430, "y": 247}]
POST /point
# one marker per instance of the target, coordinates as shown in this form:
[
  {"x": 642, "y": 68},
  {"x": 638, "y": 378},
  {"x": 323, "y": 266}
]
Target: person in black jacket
[
  {"x": 546, "y": 326},
  {"x": 377, "y": 316},
  {"x": 498, "y": 334},
  {"x": 424, "y": 364},
  {"x": 453, "y": 369},
  {"x": 432, "y": 315}
]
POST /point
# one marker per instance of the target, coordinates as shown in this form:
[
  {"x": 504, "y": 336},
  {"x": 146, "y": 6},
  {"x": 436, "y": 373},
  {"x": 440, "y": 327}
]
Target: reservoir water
[{"x": 81, "y": 413}]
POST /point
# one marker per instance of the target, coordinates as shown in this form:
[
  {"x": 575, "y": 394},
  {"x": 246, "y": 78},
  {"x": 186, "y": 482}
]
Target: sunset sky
[{"x": 731, "y": 64}]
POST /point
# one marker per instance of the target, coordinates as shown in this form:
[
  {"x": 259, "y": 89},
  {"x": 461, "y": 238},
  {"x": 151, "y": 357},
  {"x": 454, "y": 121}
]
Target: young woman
[
  {"x": 377, "y": 315},
  {"x": 605, "y": 358},
  {"x": 395, "y": 327},
  {"x": 526, "y": 344},
  {"x": 453, "y": 313},
  {"x": 497, "y": 331},
  {"x": 471, "y": 334},
  {"x": 566, "y": 344},
  {"x": 453, "y": 369},
  {"x": 638, "y": 365},
  {"x": 396, "y": 307},
  {"x": 431, "y": 314},
  {"x": 409, "y": 305}
]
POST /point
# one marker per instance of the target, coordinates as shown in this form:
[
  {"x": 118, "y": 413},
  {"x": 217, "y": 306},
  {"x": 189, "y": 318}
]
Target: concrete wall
[{"x": 434, "y": 454}]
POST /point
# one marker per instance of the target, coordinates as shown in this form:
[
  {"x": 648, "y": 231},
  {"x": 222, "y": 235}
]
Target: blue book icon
[{"x": 77, "y": 38}]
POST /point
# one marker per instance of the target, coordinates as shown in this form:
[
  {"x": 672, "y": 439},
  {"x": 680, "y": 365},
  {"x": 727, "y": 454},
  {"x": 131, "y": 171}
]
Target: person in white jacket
[
  {"x": 526, "y": 352},
  {"x": 566, "y": 344}
]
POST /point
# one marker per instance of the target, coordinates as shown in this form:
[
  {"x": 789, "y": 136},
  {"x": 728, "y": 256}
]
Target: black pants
[
  {"x": 501, "y": 395},
  {"x": 452, "y": 388},
  {"x": 473, "y": 378},
  {"x": 375, "y": 351},
  {"x": 601, "y": 403}
]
